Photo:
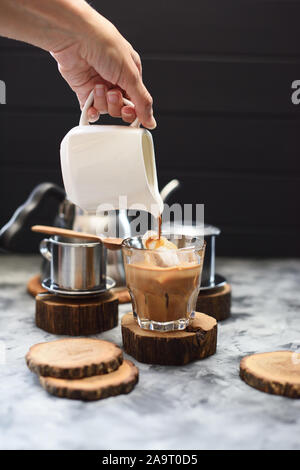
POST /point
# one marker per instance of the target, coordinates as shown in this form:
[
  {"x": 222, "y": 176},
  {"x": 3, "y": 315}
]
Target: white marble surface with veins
[{"x": 203, "y": 405}]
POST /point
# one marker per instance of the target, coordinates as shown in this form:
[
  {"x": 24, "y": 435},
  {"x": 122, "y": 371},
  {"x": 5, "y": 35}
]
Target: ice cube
[
  {"x": 165, "y": 254},
  {"x": 166, "y": 258}
]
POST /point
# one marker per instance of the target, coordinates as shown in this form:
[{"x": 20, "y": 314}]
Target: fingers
[
  {"x": 100, "y": 102},
  {"x": 114, "y": 102},
  {"x": 141, "y": 98},
  {"x": 137, "y": 61},
  {"x": 93, "y": 114},
  {"x": 110, "y": 101},
  {"x": 128, "y": 114}
]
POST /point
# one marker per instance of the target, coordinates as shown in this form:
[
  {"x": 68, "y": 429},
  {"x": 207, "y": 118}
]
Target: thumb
[{"x": 141, "y": 98}]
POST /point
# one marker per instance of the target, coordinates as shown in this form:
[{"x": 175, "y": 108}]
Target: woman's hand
[
  {"x": 103, "y": 61},
  {"x": 90, "y": 51}
]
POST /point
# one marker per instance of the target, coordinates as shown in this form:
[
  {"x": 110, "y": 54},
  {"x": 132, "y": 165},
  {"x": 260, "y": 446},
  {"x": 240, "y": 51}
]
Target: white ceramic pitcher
[{"x": 101, "y": 163}]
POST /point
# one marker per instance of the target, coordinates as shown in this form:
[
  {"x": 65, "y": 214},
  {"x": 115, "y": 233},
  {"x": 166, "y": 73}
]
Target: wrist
[
  {"x": 47, "y": 24},
  {"x": 83, "y": 26},
  {"x": 70, "y": 26}
]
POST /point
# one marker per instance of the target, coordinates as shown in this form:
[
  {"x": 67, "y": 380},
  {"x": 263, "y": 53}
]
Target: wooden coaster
[
  {"x": 97, "y": 387},
  {"x": 275, "y": 372},
  {"x": 123, "y": 294},
  {"x": 216, "y": 302},
  {"x": 76, "y": 316},
  {"x": 73, "y": 358},
  {"x": 34, "y": 287},
  {"x": 198, "y": 341}
]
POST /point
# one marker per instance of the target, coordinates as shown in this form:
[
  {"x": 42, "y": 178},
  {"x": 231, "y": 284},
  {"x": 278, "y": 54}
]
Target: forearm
[
  {"x": 48, "y": 24},
  {"x": 89, "y": 50}
]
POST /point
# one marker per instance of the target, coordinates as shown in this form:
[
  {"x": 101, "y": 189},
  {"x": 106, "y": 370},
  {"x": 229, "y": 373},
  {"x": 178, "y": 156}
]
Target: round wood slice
[
  {"x": 198, "y": 341},
  {"x": 76, "y": 316},
  {"x": 34, "y": 285},
  {"x": 215, "y": 302},
  {"x": 74, "y": 358},
  {"x": 273, "y": 372},
  {"x": 123, "y": 294},
  {"x": 97, "y": 387}
]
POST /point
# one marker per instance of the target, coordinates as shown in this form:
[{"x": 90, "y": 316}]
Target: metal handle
[
  {"x": 168, "y": 189},
  {"x": 18, "y": 221},
  {"x": 44, "y": 249},
  {"x": 84, "y": 119}
]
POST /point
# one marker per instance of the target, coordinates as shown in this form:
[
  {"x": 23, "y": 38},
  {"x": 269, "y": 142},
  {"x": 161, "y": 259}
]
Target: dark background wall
[{"x": 220, "y": 73}]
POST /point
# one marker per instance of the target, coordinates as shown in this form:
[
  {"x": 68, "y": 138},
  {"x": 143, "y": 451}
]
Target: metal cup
[
  {"x": 210, "y": 280},
  {"x": 75, "y": 263}
]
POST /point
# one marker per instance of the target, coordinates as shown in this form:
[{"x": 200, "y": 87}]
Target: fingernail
[
  {"x": 99, "y": 90},
  {"x": 128, "y": 112},
  {"x": 113, "y": 98},
  {"x": 94, "y": 116},
  {"x": 152, "y": 123}
]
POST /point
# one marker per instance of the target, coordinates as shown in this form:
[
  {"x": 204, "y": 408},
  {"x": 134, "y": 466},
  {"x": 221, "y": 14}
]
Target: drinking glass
[{"x": 164, "y": 285}]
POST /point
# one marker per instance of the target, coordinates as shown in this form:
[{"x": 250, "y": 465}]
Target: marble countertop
[{"x": 203, "y": 405}]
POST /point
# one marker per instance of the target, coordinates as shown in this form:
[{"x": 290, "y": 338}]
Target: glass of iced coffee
[{"x": 163, "y": 276}]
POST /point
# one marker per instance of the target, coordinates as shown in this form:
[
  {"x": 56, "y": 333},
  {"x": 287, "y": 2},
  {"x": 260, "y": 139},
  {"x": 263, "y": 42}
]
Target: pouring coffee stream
[{"x": 153, "y": 238}]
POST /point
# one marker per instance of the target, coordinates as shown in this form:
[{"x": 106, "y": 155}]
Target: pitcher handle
[
  {"x": 84, "y": 119},
  {"x": 44, "y": 249}
]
